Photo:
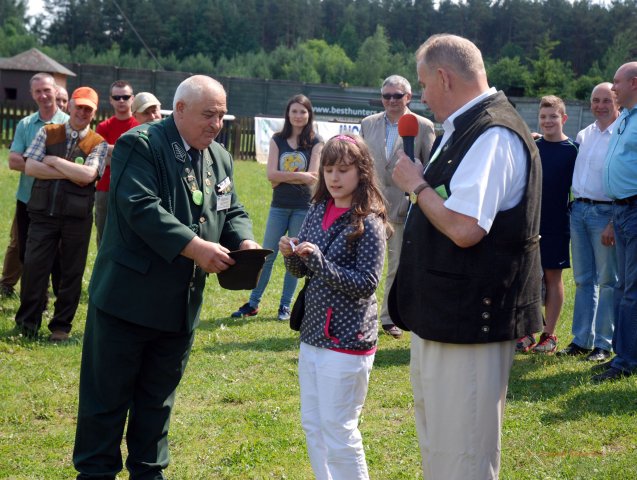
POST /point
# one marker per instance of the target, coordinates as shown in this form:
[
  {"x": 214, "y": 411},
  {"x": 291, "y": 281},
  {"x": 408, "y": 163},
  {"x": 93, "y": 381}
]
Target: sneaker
[
  {"x": 547, "y": 344},
  {"x": 573, "y": 350},
  {"x": 284, "y": 313},
  {"x": 246, "y": 310},
  {"x": 598, "y": 355},
  {"x": 524, "y": 344},
  {"x": 393, "y": 330}
]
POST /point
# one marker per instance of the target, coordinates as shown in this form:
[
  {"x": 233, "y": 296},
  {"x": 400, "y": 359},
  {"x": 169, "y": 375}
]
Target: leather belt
[
  {"x": 594, "y": 202},
  {"x": 625, "y": 201}
]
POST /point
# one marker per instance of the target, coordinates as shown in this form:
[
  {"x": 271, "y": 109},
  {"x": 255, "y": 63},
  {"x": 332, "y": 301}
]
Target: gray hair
[
  {"x": 193, "y": 87},
  {"x": 42, "y": 76},
  {"x": 398, "y": 82},
  {"x": 453, "y": 52}
]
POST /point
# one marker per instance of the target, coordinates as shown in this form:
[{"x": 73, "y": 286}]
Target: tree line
[{"x": 531, "y": 47}]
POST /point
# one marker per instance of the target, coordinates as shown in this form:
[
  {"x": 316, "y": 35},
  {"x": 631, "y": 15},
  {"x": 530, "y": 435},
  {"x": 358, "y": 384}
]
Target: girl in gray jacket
[{"x": 340, "y": 249}]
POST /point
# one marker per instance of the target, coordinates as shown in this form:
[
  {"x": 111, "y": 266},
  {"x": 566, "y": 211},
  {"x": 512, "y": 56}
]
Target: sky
[{"x": 34, "y": 6}]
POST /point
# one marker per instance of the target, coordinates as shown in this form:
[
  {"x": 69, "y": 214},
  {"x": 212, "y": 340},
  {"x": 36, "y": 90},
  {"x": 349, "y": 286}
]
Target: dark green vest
[
  {"x": 491, "y": 291},
  {"x": 63, "y": 197}
]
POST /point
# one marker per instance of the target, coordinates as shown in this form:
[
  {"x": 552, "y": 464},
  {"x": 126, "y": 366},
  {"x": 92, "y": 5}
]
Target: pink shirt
[{"x": 332, "y": 212}]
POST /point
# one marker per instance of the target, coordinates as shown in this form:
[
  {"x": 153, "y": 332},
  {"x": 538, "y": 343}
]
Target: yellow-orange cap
[{"x": 85, "y": 96}]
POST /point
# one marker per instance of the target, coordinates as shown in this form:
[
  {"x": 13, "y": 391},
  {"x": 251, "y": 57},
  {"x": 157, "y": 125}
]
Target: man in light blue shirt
[
  {"x": 43, "y": 90},
  {"x": 620, "y": 184}
]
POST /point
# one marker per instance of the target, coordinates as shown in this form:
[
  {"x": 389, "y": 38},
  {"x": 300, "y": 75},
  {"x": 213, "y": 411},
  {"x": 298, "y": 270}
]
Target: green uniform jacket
[{"x": 139, "y": 274}]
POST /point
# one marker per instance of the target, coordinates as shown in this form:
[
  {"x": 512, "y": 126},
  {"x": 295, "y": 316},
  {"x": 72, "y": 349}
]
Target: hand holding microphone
[
  {"x": 408, "y": 176},
  {"x": 408, "y": 130}
]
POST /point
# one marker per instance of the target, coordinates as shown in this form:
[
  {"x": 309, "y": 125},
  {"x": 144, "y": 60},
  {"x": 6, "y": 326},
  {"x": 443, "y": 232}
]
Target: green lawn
[{"x": 237, "y": 409}]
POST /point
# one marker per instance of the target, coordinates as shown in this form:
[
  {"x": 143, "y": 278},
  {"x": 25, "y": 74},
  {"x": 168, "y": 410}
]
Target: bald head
[
  {"x": 198, "y": 109},
  {"x": 625, "y": 85},
  {"x": 604, "y": 105},
  {"x": 628, "y": 69}
]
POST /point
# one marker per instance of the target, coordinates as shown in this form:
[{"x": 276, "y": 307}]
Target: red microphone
[{"x": 408, "y": 129}]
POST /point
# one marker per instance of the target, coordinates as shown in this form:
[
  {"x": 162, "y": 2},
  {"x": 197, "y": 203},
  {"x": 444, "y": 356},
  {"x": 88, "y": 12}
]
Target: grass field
[{"x": 237, "y": 408}]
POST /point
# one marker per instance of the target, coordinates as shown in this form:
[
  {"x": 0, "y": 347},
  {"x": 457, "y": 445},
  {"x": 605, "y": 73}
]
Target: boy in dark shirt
[{"x": 558, "y": 153}]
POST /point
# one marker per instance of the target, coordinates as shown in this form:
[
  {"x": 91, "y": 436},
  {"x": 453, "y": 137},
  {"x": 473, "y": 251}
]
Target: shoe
[
  {"x": 284, "y": 313},
  {"x": 524, "y": 344},
  {"x": 26, "y": 332},
  {"x": 58, "y": 336},
  {"x": 393, "y": 330},
  {"x": 601, "y": 367},
  {"x": 547, "y": 344},
  {"x": 610, "y": 375},
  {"x": 246, "y": 310},
  {"x": 573, "y": 350},
  {"x": 598, "y": 355},
  {"x": 20, "y": 331},
  {"x": 6, "y": 291}
]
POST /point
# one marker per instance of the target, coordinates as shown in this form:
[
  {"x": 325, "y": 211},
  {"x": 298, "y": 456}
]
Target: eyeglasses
[
  {"x": 622, "y": 125},
  {"x": 117, "y": 98},
  {"x": 395, "y": 96}
]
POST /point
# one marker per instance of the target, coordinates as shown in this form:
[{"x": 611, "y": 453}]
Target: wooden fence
[{"x": 236, "y": 135}]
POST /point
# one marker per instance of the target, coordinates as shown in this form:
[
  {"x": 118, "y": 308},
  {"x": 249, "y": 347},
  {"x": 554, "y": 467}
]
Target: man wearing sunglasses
[
  {"x": 380, "y": 131},
  {"x": 121, "y": 98}
]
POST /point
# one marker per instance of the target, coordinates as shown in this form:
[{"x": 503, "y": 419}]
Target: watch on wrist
[{"x": 413, "y": 195}]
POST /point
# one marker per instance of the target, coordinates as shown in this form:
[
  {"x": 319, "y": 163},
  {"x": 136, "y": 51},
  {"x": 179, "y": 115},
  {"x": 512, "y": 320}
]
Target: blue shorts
[{"x": 554, "y": 251}]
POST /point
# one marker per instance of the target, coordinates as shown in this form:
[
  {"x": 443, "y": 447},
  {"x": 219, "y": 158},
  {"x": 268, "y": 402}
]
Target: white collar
[{"x": 448, "y": 126}]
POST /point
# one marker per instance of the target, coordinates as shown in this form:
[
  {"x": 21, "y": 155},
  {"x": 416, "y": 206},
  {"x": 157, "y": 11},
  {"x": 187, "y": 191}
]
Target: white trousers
[
  {"x": 333, "y": 391},
  {"x": 459, "y": 397}
]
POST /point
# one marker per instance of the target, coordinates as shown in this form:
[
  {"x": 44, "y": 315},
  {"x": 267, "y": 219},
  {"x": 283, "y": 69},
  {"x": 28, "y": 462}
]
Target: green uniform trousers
[{"x": 127, "y": 369}]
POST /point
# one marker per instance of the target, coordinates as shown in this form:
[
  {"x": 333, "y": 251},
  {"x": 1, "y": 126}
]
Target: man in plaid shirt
[{"x": 65, "y": 160}]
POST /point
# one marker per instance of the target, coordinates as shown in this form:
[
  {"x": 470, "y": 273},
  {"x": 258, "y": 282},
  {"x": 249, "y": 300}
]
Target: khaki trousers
[
  {"x": 459, "y": 396},
  {"x": 394, "y": 244}
]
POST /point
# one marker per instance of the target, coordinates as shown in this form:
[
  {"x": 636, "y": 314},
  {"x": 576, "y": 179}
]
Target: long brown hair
[
  {"x": 307, "y": 134},
  {"x": 347, "y": 149}
]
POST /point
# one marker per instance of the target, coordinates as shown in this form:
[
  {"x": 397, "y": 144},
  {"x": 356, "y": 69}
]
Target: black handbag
[{"x": 298, "y": 309}]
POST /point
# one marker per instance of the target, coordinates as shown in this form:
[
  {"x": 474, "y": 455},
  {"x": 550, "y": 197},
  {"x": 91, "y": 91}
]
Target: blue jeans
[
  {"x": 280, "y": 221},
  {"x": 595, "y": 274},
  {"x": 625, "y": 336}
]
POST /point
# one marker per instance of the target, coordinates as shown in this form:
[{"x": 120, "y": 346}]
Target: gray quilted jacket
[{"x": 340, "y": 303}]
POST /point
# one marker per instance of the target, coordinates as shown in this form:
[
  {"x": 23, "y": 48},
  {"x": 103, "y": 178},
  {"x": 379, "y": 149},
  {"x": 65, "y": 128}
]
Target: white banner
[{"x": 265, "y": 127}]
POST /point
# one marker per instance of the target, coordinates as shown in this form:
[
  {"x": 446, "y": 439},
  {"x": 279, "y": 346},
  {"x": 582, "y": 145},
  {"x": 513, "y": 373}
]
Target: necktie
[{"x": 195, "y": 156}]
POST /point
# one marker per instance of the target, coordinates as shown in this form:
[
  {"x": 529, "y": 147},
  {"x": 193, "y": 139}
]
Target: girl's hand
[
  {"x": 304, "y": 249},
  {"x": 287, "y": 245}
]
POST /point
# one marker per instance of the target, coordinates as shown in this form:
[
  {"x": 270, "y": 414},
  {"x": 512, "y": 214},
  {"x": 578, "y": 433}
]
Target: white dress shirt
[
  {"x": 588, "y": 175},
  {"x": 492, "y": 176}
]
